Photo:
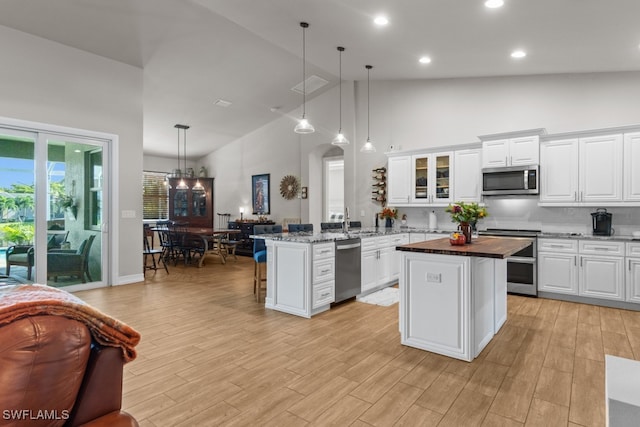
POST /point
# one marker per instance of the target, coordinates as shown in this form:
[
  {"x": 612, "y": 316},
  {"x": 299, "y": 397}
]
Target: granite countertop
[
  {"x": 302, "y": 237},
  {"x": 581, "y": 236},
  {"x": 483, "y": 246}
]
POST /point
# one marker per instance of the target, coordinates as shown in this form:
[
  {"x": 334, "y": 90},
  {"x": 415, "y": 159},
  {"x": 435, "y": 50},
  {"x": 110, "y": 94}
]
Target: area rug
[{"x": 384, "y": 297}]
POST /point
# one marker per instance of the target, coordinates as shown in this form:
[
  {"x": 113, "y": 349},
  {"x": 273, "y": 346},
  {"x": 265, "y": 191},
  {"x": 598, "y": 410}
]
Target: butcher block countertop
[{"x": 483, "y": 246}]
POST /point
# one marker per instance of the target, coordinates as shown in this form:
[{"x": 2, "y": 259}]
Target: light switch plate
[{"x": 128, "y": 214}]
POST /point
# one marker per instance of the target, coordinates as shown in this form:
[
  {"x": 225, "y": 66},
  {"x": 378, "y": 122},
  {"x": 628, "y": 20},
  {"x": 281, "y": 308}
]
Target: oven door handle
[{"x": 521, "y": 260}]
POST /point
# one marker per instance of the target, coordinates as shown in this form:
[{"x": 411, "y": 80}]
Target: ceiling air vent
[
  {"x": 222, "y": 103},
  {"x": 312, "y": 84}
]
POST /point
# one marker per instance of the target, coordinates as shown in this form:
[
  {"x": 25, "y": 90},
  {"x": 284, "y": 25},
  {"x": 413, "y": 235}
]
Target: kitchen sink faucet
[{"x": 345, "y": 223}]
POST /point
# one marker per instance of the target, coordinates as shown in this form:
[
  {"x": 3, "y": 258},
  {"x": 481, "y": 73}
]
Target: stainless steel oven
[{"x": 522, "y": 271}]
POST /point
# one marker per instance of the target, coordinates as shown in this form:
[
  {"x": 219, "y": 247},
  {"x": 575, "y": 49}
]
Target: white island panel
[
  {"x": 436, "y": 304},
  {"x": 451, "y": 305}
]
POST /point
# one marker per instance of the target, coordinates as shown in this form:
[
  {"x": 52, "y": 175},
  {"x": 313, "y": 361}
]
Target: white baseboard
[{"x": 127, "y": 280}]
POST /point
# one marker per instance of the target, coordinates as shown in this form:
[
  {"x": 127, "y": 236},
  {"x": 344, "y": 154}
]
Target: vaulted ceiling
[{"x": 248, "y": 52}]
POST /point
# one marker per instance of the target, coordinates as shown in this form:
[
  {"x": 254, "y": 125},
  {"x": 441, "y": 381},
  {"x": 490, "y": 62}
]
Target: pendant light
[
  {"x": 182, "y": 185},
  {"x": 303, "y": 125},
  {"x": 340, "y": 139},
  {"x": 368, "y": 146}
]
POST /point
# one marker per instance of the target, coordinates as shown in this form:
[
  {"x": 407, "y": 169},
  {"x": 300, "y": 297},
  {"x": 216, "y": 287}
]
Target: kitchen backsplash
[{"x": 524, "y": 212}]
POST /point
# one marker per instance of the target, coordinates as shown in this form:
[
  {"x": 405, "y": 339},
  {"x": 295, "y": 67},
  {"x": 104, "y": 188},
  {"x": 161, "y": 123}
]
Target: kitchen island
[
  {"x": 306, "y": 273},
  {"x": 453, "y": 299}
]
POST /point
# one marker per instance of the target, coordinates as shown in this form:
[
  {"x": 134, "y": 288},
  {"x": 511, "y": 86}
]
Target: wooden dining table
[{"x": 213, "y": 241}]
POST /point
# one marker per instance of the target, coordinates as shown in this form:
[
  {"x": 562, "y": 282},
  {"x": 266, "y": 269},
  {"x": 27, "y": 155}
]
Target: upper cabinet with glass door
[
  {"x": 193, "y": 205},
  {"x": 420, "y": 179},
  {"x": 432, "y": 178}
]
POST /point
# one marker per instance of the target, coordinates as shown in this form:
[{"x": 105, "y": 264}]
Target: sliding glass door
[{"x": 52, "y": 195}]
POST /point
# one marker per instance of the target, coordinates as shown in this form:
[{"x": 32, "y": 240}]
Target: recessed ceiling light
[
  {"x": 424, "y": 60},
  {"x": 381, "y": 20},
  {"x": 492, "y": 4},
  {"x": 518, "y": 54}
]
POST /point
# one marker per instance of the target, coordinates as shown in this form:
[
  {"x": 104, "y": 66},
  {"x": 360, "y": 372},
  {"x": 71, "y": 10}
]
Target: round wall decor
[{"x": 289, "y": 187}]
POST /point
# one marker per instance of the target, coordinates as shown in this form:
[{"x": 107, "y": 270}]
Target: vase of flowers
[
  {"x": 389, "y": 214},
  {"x": 466, "y": 214}
]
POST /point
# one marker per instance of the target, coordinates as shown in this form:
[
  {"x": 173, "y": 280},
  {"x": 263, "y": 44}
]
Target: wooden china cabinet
[{"x": 191, "y": 205}]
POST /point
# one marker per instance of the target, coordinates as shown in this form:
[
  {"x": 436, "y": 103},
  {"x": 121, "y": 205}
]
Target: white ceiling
[{"x": 249, "y": 51}]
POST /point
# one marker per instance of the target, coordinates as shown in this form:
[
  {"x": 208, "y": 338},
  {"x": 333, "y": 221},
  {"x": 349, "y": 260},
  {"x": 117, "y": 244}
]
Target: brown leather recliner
[{"x": 51, "y": 374}]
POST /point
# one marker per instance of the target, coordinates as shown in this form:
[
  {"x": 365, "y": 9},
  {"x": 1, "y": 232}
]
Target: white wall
[
  {"x": 277, "y": 150},
  {"x": 47, "y": 82},
  {"x": 166, "y": 164}
]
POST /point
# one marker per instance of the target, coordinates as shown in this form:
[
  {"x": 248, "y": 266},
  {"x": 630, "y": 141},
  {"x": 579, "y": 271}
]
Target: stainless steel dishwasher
[{"x": 347, "y": 269}]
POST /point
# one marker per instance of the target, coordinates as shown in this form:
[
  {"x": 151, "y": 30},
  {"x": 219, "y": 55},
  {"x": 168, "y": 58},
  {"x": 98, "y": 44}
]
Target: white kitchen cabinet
[
  {"x": 399, "y": 181},
  {"x": 300, "y": 277},
  {"x": 631, "y": 178},
  {"x": 379, "y": 262},
  {"x": 511, "y": 152},
  {"x": 467, "y": 175},
  {"x": 585, "y": 170},
  {"x": 600, "y": 168},
  {"x": 394, "y": 256},
  {"x": 559, "y": 170},
  {"x": 288, "y": 277},
  {"x": 588, "y": 268},
  {"x": 558, "y": 266},
  {"x": 632, "y": 274},
  {"x": 602, "y": 277},
  {"x": 558, "y": 273}
]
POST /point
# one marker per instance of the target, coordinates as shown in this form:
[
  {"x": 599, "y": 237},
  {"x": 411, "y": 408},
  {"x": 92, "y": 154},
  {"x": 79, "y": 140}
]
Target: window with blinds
[{"x": 155, "y": 195}]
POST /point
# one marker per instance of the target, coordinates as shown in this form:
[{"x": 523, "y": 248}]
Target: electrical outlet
[
  {"x": 128, "y": 214},
  {"x": 434, "y": 277},
  {"x": 362, "y": 213}
]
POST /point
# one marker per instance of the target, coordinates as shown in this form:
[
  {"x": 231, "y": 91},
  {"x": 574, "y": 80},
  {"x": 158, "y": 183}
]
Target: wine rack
[{"x": 379, "y": 186}]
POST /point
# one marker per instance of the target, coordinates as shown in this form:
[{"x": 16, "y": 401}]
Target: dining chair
[
  {"x": 260, "y": 258},
  {"x": 330, "y": 226},
  {"x": 149, "y": 251},
  {"x": 298, "y": 228}
]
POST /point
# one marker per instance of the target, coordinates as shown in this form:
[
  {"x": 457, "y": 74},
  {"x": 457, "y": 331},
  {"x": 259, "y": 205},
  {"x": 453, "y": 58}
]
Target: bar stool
[{"x": 260, "y": 258}]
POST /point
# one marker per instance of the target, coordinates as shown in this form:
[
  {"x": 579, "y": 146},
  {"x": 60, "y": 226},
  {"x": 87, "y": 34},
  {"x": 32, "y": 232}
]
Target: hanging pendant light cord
[
  {"x": 178, "y": 147},
  {"x": 340, "y": 49},
  {"x": 304, "y": 25},
  {"x": 368, "y": 97},
  {"x": 185, "y": 150}
]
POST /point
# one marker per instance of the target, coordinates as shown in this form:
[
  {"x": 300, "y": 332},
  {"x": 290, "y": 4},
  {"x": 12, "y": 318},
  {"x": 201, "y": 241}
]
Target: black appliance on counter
[
  {"x": 602, "y": 222},
  {"x": 522, "y": 271}
]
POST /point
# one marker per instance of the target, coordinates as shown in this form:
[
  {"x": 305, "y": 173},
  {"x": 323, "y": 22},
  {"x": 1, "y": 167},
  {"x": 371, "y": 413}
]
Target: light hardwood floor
[{"x": 211, "y": 355}]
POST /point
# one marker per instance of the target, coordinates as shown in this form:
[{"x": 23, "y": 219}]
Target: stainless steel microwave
[{"x": 510, "y": 180}]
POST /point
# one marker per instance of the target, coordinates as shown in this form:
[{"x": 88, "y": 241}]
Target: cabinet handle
[
  {"x": 557, "y": 246},
  {"x": 325, "y": 271},
  {"x": 580, "y": 261},
  {"x": 581, "y": 196},
  {"x": 597, "y": 248},
  {"x": 575, "y": 196},
  {"x": 325, "y": 295},
  {"x": 511, "y": 160},
  {"x": 574, "y": 261},
  {"x": 629, "y": 265},
  {"x": 506, "y": 160}
]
